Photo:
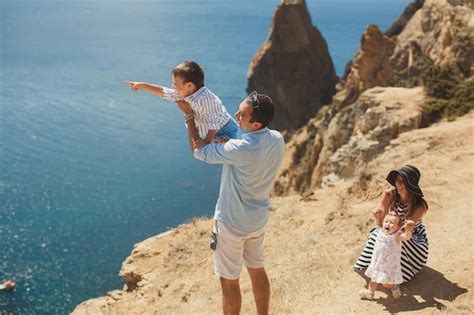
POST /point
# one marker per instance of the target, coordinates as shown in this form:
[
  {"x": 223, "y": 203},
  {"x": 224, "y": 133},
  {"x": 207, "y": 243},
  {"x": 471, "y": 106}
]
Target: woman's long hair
[{"x": 414, "y": 201}]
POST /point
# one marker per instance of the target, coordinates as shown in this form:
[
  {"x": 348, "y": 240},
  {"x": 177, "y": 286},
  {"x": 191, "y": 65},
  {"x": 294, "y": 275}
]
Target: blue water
[{"x": 87, "y": 167}]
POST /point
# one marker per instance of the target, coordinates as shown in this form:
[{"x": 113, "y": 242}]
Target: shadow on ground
[{"x": 428, "y": 289}]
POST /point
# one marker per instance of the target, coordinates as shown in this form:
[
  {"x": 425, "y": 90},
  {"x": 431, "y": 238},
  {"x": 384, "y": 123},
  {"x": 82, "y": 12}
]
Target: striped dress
[{"x": 414, "y": 251}]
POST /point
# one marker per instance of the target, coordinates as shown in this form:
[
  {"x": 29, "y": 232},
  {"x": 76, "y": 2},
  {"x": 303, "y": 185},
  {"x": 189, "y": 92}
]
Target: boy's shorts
[
  {"x": 235, "y": 248},
  {"x": 229, "y": 131}
]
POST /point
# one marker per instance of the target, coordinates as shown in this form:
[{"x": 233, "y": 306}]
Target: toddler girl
[{"x": 385, "y": 265}]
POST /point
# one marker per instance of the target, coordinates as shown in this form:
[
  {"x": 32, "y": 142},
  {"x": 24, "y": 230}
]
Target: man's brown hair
[{"x": 264, "y": 112}]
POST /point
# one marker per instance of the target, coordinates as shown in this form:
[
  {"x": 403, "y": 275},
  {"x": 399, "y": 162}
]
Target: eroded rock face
[
  {"x": 441, "y": 33},
  {"x": 166, "y": 267},
  {"x": 371, "y": 66},
  {"x": 400, "y": 23},
  {"x": 293, "y": 67},
  {"x": 429, "y": 32},
  {"x": 339, "y": 143}
]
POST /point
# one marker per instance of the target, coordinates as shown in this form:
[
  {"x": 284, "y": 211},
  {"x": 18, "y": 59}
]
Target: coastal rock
[
  {"x": 399, "y": 24},
  {"x": 363, "y": 119},
  {"x": 152, "y": 271},
  {"x": 293, "y": 66},
  {"x": 438, "y": 32},
  {"x": 443, "y": 34},
  {"x": 371, "y": 66},
  {"x": 341, "y": 142}
]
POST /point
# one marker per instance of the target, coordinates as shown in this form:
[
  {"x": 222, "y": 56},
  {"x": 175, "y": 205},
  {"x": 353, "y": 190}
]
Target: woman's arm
[
  {"x": 380, "y": 212},
  {"x": 386, "y": 200}
]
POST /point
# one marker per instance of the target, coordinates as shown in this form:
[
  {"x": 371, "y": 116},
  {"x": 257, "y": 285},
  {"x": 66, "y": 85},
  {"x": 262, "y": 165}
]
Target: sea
[{"x": 89, "y": 168}]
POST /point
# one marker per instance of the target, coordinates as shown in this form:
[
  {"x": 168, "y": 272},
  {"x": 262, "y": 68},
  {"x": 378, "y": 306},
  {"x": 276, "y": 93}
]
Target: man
[{"x": 250, "y": 165}]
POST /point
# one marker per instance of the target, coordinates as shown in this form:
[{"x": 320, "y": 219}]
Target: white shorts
[{"x": 235, "y": 248}]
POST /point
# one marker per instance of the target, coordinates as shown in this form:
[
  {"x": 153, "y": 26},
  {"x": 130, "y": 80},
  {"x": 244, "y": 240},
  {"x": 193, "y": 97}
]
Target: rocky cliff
[
  {"x": 364, "y": 117},
  {"x": 338, "y": 143},
  {"x": 293, "y": 66},
  {"x": 438, "y": 32}
]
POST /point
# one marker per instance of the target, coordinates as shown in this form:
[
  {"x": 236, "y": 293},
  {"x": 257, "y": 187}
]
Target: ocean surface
[{"x": 89, "y": 168}]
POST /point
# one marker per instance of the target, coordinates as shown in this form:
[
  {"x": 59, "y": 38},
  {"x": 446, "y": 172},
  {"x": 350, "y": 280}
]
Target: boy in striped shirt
[{"x": 210, "y": 115}]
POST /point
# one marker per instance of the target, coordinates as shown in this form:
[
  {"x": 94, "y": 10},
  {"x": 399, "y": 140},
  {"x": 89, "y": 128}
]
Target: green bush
[
  {"x": 439, "y": 81},
  {"x": 451, "y": 96}
]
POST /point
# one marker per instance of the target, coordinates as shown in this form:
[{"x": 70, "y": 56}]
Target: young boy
[{"x": 210, "y": 115}]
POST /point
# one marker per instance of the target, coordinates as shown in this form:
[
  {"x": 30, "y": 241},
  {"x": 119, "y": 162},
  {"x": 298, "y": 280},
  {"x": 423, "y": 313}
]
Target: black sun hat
[{"x": 411, "y": 175}]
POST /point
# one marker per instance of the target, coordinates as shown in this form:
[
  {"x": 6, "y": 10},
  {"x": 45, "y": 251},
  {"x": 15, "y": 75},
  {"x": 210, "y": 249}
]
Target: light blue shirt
[{"x": 250, "y": 165}]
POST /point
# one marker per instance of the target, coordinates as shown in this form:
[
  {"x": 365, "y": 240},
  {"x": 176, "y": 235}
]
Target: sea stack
[{"x": 293, "y": 66}]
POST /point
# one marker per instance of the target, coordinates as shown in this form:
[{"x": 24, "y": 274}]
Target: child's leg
[
  {"x": 229, "y": 130},
  {"x": 368, "y": 293},
  {"x": 373, "y": 286},
  {"x": 395, "y": 288}
]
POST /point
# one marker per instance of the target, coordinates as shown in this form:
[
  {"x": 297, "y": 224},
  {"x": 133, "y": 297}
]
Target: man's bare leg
[
  {"x": 231, "y": 298},
  {"x": 261, "y": 289}
]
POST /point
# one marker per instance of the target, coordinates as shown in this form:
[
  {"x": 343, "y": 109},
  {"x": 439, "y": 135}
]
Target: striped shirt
[{"x": 209, "y": 112}]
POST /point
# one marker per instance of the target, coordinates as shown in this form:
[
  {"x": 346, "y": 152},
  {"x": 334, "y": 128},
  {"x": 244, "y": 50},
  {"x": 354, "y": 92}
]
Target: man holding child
[{"x": 250, "y": 164}]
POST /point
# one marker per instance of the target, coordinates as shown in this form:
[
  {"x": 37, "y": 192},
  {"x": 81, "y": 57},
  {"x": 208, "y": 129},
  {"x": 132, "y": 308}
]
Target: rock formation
[
  {"x": 345, "y": 136},
  {"x": 371, "y": 66},
  {"x": 399, "y": 24},
  {"x": 293, "y": 66},
  {"x": 438, "y": 32},
  {"x": 337, "y": 144}
]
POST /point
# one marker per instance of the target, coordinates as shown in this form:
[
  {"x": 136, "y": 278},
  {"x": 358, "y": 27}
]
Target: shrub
[
  {"x": 439, "y": 81},
  {"x": 451, "y": 96}
]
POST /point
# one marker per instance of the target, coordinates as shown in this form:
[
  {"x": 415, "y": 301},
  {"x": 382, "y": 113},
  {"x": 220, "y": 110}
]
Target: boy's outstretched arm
[{"x": 145, "y": 86}]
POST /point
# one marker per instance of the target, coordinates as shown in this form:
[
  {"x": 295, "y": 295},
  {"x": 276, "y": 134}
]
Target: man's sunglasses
[{"x": 253, "y": 97}]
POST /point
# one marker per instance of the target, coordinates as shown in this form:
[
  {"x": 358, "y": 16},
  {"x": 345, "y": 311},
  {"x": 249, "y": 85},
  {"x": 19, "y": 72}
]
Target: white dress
[{"x": 385, "y": 265}]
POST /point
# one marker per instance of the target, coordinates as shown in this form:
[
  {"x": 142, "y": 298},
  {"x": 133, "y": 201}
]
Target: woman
[{"x": 406, "y": 198}]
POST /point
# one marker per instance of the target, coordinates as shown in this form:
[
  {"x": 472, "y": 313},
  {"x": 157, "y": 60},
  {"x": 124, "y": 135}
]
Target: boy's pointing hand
[{"x": 133, "y": 85}]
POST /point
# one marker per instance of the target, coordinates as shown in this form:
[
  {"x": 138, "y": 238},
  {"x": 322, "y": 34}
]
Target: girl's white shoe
[
  {"x": 396, "y": 292},
  {"x": 366, "y": 294}
]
